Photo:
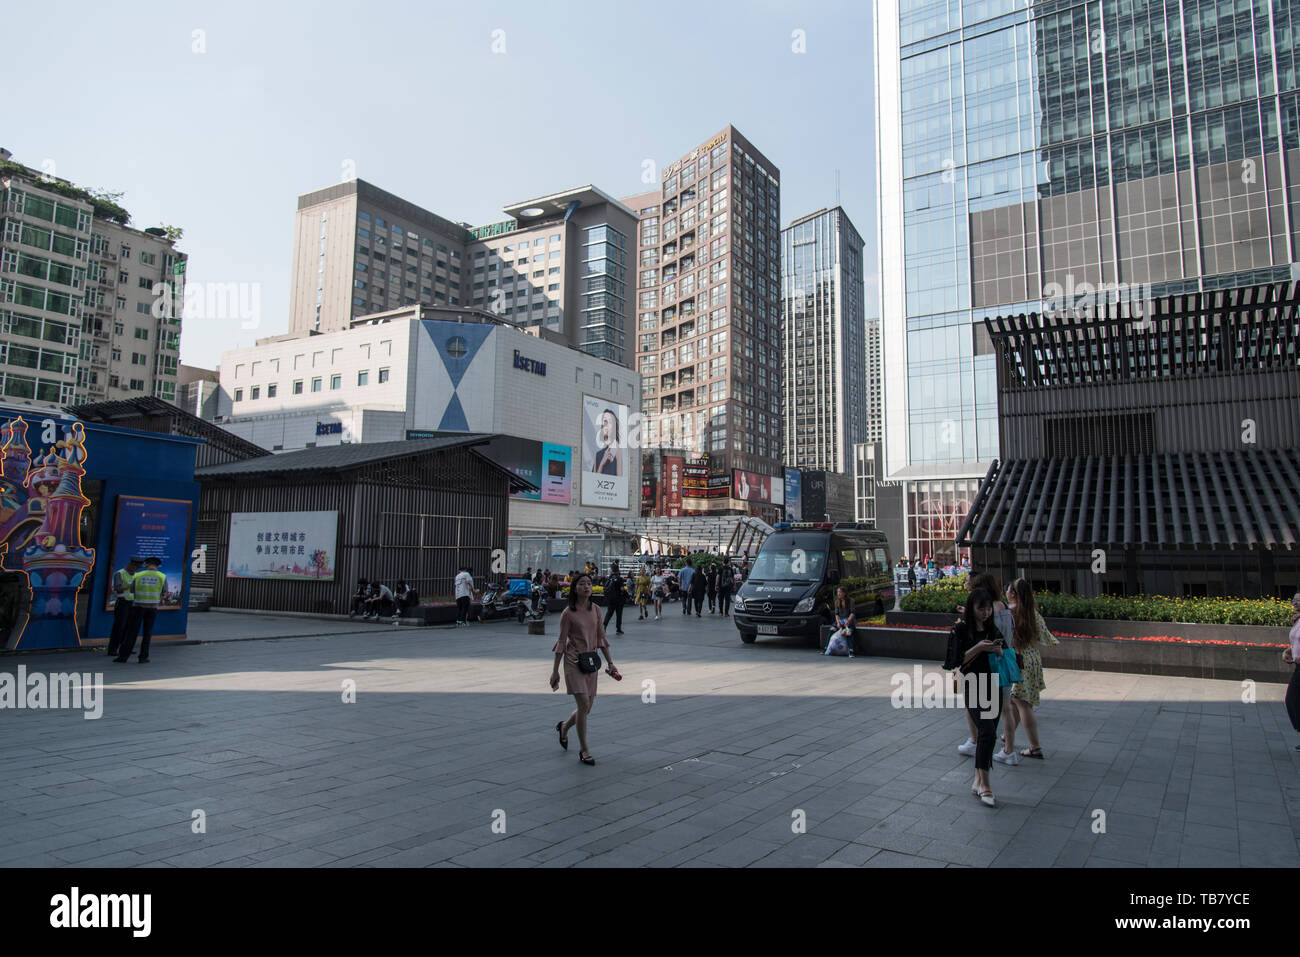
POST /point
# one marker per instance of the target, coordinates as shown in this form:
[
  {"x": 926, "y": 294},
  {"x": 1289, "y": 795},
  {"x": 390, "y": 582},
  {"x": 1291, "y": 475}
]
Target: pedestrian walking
[
  {"x": 147, "y": 587},
  {"x": 615, "y": 587},
  {"x": 911, "y": 575},
  {"x": 726, "y": 582},
  {"x": 970, "y": 644},
  {"x": 695, "y": 594},
  {"x": 1292, "y": 657},
  {"x": 988, "y": 582},
  {"x": 642, "y": 592},
  {"x": 1028, "y": 635},
  {"x": 123, "y": 594},
  {"x": 657, "y": 592},
  {"x": 684, "y": 577},
  {"x": 582, "y": 638},
  {"x": 464, "y": 590},
  {"x": 711, "y": 587}
]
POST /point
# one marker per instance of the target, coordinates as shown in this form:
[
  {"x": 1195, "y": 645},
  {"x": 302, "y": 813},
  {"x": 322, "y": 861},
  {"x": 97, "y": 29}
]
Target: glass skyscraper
[
  {"x": 1039, "y": 155},
  {"x": 822, "y": 312}
]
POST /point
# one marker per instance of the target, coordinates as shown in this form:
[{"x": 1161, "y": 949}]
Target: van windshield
[{"x": 788, "y": 564}]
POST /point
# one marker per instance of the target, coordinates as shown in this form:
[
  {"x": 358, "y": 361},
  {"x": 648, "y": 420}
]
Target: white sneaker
[
  {"x": 968, "y": 748},
  {"x": 1003, "y": 758}
]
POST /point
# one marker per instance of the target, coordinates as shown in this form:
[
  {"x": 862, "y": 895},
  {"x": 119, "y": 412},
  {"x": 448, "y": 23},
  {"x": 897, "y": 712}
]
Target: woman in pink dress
[{"x": 581, "y": 632}]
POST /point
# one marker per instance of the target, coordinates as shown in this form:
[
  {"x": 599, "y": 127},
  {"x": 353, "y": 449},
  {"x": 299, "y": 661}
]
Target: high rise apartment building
[
  {"x": 824, "y": 341},
  {"x": 875, "y": 382},
  {"x": 89, "y": 307},
  {"x": 559, "y": 262},
  {"x": 709, "y": 317},
  {"x": 1034, "y": 157}
]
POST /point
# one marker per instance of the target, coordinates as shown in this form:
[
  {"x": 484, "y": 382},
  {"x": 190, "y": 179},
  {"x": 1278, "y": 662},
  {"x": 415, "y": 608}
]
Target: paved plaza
[{"x": 766, "y": 755}]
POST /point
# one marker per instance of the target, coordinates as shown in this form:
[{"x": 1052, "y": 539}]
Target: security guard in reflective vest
[
  {"x": 148, "y": 587},
  {"x": 122, "y": 594}
]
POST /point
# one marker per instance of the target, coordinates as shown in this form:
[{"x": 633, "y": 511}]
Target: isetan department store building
[{"x": 563, "y": 415}]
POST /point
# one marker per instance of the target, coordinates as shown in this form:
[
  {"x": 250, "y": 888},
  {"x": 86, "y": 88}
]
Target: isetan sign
[{"x": 529, "y": 365}]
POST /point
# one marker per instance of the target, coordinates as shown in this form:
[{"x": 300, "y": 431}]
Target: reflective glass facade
[
  {"x": 823, "y": 317},
  {"x": 1032, "y": 154}
]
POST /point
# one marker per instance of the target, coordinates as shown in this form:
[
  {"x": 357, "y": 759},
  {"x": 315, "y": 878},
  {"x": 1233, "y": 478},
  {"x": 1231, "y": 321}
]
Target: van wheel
[
  {"x": 748, "y": 637},
  {"x": 880, "y": 608},
  {"x": 519, "y": 613}
]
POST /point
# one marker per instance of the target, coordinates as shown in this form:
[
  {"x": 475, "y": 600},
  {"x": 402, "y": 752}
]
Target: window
[
  {"x": 336, "y": 381},
  {"x": 255, "y": 392},
  {"x": 239, "y": 395},
  {"x": 126, "y": 251},
  {"x": 315, "y": 385},
  {"x": 271, "y": 390},
  {"x": 142, "y": 334},
  {"x": 383, "y": 376},
  {"x": 363, "y": 377},
  {"x": 297, "y": 387}
]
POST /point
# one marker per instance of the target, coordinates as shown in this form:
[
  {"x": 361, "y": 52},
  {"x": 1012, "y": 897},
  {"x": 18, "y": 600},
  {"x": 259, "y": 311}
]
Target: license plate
[{"x": 767, "y": 629}]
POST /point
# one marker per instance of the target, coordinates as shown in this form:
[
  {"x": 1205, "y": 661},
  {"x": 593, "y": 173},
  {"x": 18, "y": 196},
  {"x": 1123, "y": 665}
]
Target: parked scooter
[
  {"x": 537, "y": 610},
  {"x": 498, "y": 602}
]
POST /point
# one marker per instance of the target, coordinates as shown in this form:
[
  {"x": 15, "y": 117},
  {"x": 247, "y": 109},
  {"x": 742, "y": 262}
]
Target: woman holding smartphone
[{"x": 971, "y": 642}]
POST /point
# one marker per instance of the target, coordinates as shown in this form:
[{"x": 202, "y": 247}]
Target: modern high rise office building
[
  {"x": 1035, "y": 155},
  {"x": 560, "y": 262},
  {"x": 709, "y": 318},
  {"x": 89, "y": 307},
  {"x": 824, "y": 340}
]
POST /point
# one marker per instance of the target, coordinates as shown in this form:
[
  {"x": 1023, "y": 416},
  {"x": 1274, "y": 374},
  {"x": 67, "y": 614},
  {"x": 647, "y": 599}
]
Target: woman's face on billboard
[{"x": 607, "y": 425}]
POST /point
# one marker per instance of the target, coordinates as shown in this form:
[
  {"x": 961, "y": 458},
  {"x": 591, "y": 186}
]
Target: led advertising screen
[
  {"x": 793, "y": 495},
  {"x": 673, "y": 485},
  {"x": 153, "y": 528},
  {"x": 750, "y": 486},
  {"x": 604, "y": 453}
]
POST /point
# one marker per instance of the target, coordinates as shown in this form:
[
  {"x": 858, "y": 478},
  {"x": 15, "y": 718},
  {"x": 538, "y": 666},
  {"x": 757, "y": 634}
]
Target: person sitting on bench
[
  {"x": 381, "y": 601},
  {"x": 360, "y": 598},
  {"x": 407, "y": 598}
]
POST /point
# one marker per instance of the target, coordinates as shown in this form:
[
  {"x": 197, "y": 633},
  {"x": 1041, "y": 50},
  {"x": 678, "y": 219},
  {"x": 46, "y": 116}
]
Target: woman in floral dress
[{"x": 1029, "y": 636}]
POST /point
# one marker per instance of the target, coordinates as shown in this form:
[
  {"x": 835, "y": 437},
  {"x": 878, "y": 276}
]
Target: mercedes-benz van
[{"x": 791, "y": 588}]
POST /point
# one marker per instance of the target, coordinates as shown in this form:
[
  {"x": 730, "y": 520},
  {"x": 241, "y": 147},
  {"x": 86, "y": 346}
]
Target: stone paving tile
[{"x": 448, "y": 728}]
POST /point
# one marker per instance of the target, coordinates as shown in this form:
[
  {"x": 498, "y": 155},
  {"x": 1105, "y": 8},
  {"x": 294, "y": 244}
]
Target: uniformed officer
[
  {"x": 122, "y": 593},
  {"x": 148, "y": 586}
]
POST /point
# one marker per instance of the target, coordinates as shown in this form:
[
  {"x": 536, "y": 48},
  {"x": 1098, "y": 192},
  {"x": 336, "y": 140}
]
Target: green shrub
[{"x": 944, "y": 596}]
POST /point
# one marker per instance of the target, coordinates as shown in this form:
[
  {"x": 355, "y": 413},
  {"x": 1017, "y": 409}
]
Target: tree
[
  {"x": 319, "y": 558},
  {"x": 174, "y": 233}
]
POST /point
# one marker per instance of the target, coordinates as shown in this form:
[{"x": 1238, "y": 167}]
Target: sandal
[
  {"x": 1033, "y": 753},
  {"x": 987, "y": 798},
  {"x": 564, "y": 741},
  {"x": 586, "y": 758}
]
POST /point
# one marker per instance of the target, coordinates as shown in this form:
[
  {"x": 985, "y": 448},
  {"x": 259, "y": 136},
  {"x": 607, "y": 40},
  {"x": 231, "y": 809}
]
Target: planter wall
[
  {"x": 1227, "y": 662},
  {"x": 1104, "y": 627}
]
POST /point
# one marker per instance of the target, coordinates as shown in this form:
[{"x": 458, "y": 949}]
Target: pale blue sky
[{"x": 223, "y": 142}]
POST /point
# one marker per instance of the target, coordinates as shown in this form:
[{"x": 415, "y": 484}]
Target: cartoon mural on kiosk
[{"x": 40, "y": 527}]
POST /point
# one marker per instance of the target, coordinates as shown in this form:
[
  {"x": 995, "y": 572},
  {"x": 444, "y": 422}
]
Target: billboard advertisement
[
  {"x": 545, "y": 464},
  {"x": 649, "y": 504},
  {"x": 750, "y": 486},
  {"x": 793, "y": 495},
  {"x": 293, "y": 545},
  {"x": 604, "y": 453},
  {"x": 153, "y": 528},
  {"x": 673, "y": 485},
  {"x": 695, "y": 481}
]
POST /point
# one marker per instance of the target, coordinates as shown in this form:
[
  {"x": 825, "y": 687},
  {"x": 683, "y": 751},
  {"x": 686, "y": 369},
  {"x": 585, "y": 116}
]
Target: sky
[{"x": 216, "y": 117}]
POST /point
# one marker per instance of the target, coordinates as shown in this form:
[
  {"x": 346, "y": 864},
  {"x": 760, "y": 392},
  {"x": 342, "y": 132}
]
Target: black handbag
[{"x": 588, "y": 662}]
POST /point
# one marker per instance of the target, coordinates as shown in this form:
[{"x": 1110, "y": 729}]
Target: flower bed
[{"x": 944, "y": 596}]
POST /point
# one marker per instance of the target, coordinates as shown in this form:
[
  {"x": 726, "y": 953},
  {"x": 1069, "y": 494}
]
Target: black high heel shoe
[{"x": 564, "y": 742}]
